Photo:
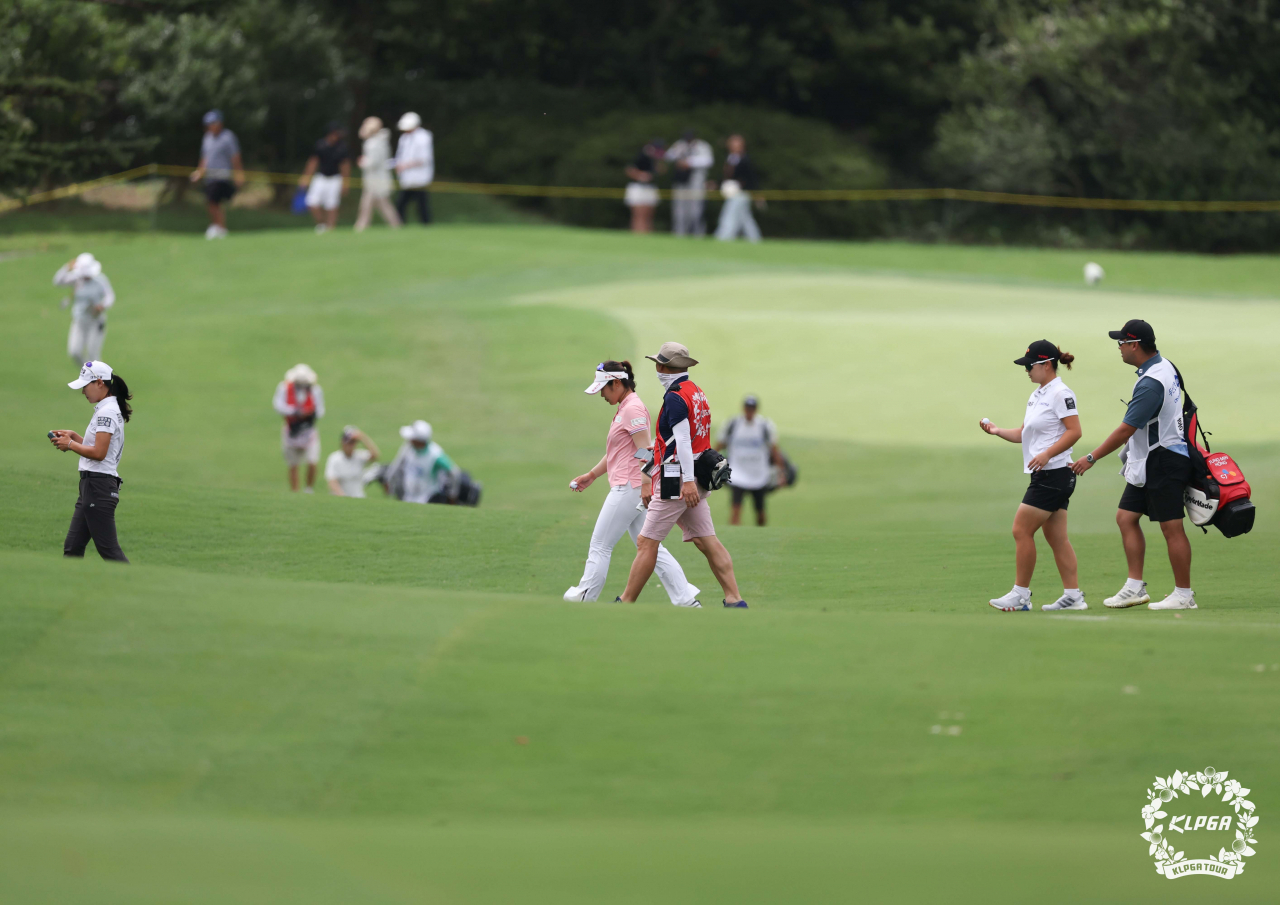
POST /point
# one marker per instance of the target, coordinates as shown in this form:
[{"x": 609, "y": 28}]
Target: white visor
[{"x": 600, "y": 378}]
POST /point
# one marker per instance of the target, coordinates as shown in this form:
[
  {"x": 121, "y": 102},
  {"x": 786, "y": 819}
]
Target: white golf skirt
[
  {"x": 621, "y": 515},
  {"x": 325, "y": 192},
  {"x": 640, "y": 194}
]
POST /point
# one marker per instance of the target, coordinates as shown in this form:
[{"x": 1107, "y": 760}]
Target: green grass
[{"x": 301, "y": 698}]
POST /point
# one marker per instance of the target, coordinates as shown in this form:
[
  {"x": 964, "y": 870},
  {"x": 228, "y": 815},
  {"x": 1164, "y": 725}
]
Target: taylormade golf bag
[{"x": 1218, "y": 494}]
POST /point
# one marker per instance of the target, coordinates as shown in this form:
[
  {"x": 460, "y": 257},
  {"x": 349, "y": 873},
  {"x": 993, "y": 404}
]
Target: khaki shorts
[
  {"x": 665, "y": 514},
  {"x": 309, "y": 454}
]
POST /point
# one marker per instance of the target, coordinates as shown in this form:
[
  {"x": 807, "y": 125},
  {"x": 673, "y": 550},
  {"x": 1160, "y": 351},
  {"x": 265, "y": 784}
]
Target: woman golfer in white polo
[
  {"x": 621, "y": 513},
  {"x": 1051, "y": 427}
]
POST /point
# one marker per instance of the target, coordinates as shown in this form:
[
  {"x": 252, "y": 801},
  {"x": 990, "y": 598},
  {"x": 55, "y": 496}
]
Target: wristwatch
[{"x": 1088, "y": 457}]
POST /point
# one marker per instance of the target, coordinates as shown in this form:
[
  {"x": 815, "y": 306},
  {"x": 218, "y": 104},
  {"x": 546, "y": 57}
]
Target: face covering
[{"x": 668, "y": 379}]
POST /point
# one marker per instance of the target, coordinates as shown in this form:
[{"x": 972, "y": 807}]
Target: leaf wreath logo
[{"x": 1173, "y": 863}]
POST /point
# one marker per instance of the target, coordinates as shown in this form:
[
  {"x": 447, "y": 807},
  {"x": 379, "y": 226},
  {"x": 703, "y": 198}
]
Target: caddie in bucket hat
[{"x": 673, "y": 355}]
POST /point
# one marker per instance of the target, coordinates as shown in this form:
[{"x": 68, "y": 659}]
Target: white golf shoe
[
  {"x": 1067, "y": 603},
  {"x": 1013, "y": 602},
  {"x": 1128, "y": 597},
  {"x": 575, "y": 594},
  {"x": 1176, "y": 601}
]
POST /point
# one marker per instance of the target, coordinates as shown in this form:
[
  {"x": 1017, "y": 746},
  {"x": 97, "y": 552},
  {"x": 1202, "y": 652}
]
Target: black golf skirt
[{"x": 1050, "y": 489}]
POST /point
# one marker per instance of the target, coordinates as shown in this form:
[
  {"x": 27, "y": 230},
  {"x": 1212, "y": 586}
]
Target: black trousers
[
  {"x": 422, "y": 196},
  {"x": 95, "y": 518}
]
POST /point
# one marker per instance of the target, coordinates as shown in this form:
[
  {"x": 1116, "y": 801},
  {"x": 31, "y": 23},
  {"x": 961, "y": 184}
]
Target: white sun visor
[{"x": 600, "y": 378}]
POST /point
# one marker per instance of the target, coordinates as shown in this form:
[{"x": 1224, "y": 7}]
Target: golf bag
[
  {"x": 786, "y": 470},
  {"x": 712, "y": 470},
  {"x": 1218, "y": 494}
]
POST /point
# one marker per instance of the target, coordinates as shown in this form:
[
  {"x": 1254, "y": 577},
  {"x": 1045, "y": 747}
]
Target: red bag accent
[{"x": 1229, "y": 477}]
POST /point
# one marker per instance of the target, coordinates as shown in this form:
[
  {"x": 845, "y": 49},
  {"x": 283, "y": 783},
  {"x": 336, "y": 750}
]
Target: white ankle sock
[
  {"x": 1182, "y": 592},
  {"x": 1133, "y": 584},
  {"x": 1022, "y": 592},
  {"x": 1071, "y": 592}
]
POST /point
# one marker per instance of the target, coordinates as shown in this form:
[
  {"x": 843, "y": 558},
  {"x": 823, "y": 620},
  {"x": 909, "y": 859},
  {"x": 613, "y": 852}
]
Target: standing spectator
[
  {"x": 221, "y": 169},
  {"x": 415, "y": 166},
  {"x": 739, "y": 182},
  {"x": 325, "y": 178},
  {"x": 752, "y": 445},
  {"x": 345, "y": 467},
  {"x": 375, "y": 164},
  {"x": 642, "y": 192},
  {"x": 301, "y": 401},
  {"x": 692, "y": 158},
  {"x": 91, "y": 298}
]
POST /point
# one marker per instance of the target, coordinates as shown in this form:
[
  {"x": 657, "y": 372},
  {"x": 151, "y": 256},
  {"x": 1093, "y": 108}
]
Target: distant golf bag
[{"x": 1218, "y": 494}]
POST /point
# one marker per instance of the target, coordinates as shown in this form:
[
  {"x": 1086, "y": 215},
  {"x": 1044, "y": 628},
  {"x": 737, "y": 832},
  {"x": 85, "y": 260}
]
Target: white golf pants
[
  {"x": 735, "y": 218},
  {"x": 84, "y": 342},
  {"x": 618, "y": 516}
]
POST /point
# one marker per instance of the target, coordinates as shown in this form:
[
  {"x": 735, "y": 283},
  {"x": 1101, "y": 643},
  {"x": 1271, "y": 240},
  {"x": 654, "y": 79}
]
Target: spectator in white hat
[
  {"x": 421, "y": 472},
  {"x": 415, "y": 166},
  {"x": 375, "y": 168},
  {"x": 345, "y": 468},
  {"x": 91, "y": 296},
  {"x": 99, "y": 450},
  {"x": 300, "y": 400}
]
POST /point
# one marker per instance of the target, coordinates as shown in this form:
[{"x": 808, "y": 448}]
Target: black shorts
[
  {"x": 1050, "y": 489},
  {"x": 757, "y": 496},
  {"x": 219, "y": 190},
  {"x": 1161, "y": 498}
]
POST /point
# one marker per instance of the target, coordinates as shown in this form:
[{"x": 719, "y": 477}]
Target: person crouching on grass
[
  {"x": 344, "y": 470},
  {"x": 300, "y": 401},
  {"x": 684, "y": 434},
  {"x": 99, "y": 450},
  {"x": 1050, "y": 429}
]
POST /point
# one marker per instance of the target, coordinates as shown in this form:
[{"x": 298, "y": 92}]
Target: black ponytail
[
  {"x": 630, "y": 382},
  {"x": 118, "y": 388}
]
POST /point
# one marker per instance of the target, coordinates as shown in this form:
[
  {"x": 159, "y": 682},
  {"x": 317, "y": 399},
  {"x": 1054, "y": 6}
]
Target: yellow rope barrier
[{"x": 616, "y": 194}]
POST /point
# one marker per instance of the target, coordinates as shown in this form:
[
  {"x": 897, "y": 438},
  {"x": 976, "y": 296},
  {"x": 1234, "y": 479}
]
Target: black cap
[
  {"x": 1134, "y": 330},
  {"x": 751, "y": 401},
  {"x": 1038, "y": 351}
]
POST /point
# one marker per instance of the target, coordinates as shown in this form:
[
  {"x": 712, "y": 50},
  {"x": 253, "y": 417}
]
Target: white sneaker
[
  {"x": 692, "y": 600},
  {"x": 1128, "y": 597},
  {"x": 1013, "y": 602},
  {"x": 211, "y": 232},
  {"x": 575, "y": 594},
  {"x": 321, "y": 228},
  {"x": 1176, "y": 601},
  {"x": 1067, "y": 603}
]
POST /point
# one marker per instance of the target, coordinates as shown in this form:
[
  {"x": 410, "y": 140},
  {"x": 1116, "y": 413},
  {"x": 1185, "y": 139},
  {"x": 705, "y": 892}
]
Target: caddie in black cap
[
  {"x": 1134, "y": 331},
  {"x": 1039, "y": 351}
]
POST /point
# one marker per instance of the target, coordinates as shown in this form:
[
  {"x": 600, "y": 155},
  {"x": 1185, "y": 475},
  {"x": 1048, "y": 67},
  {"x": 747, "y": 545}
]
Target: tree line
[{"x": 1170, "y": 99}]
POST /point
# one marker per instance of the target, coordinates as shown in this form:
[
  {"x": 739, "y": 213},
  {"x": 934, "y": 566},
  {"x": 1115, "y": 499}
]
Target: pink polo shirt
[{"x": 620, "y": 450}]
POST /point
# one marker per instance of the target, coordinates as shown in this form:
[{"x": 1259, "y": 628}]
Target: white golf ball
[
  {"x": 573, "y": 485},
  {"x": 1093, "y": 273}
]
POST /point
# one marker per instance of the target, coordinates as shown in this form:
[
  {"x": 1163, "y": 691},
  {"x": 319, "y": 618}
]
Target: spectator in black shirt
[
  {"x": 325, "y": 178},
  {"x": 642, "y": 191},
  {"x": 739, "y": 181}
]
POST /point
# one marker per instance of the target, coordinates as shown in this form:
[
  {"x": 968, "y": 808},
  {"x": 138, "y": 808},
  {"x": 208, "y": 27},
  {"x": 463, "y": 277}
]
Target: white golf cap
[
  {"x": 86, "y": 265},
  {"x": 602, "y": 377},
  {"x": 301, "y": 374},
  {"x": 409, "y": 122},
  {"x": 92, "y": 370},
  {"x": 419, "y": 430}
]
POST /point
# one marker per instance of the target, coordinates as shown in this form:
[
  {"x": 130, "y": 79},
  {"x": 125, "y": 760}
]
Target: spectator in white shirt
[
  {"x": 751, "y": 445},
  {"x": 345, "y": 468},
  {"x": 692, "y": 157},
  {"x": 91, "y": 298},
  {"x": 415, "y": 166}
]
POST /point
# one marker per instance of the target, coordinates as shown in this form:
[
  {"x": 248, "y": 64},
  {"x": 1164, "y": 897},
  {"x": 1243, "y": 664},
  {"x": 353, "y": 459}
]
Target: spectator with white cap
[
  {"x": 421, "y": 472},
  {"x": 300, "y": 401},
  {"x": 346, "y": 466},
  {"x": 375, "y": 169},
  {"x": 91, "y": 297},
  {"x": 221, "y": 169},
  {"x": 415, "y": 166},
  {"x": 99, "y": 450},
  {"x": 621, "y": 513}
]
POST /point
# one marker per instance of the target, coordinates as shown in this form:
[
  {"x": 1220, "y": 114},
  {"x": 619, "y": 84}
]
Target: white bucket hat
[
  {"x": 86, "y": 265},
  {"x": 602, "y": 377},
  {"x": 92, "y": 370},
  {"x": 301, "y": 374},
  {"x": 409, "y": 122},
  {"x": 419, "y": 430}
]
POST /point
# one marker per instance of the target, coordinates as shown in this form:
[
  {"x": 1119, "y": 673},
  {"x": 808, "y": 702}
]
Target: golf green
[{"x": 307, "y": 698}]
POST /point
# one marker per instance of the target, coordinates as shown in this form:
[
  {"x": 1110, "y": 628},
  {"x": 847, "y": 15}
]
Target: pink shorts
[{"x": 665, "y": 514}]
